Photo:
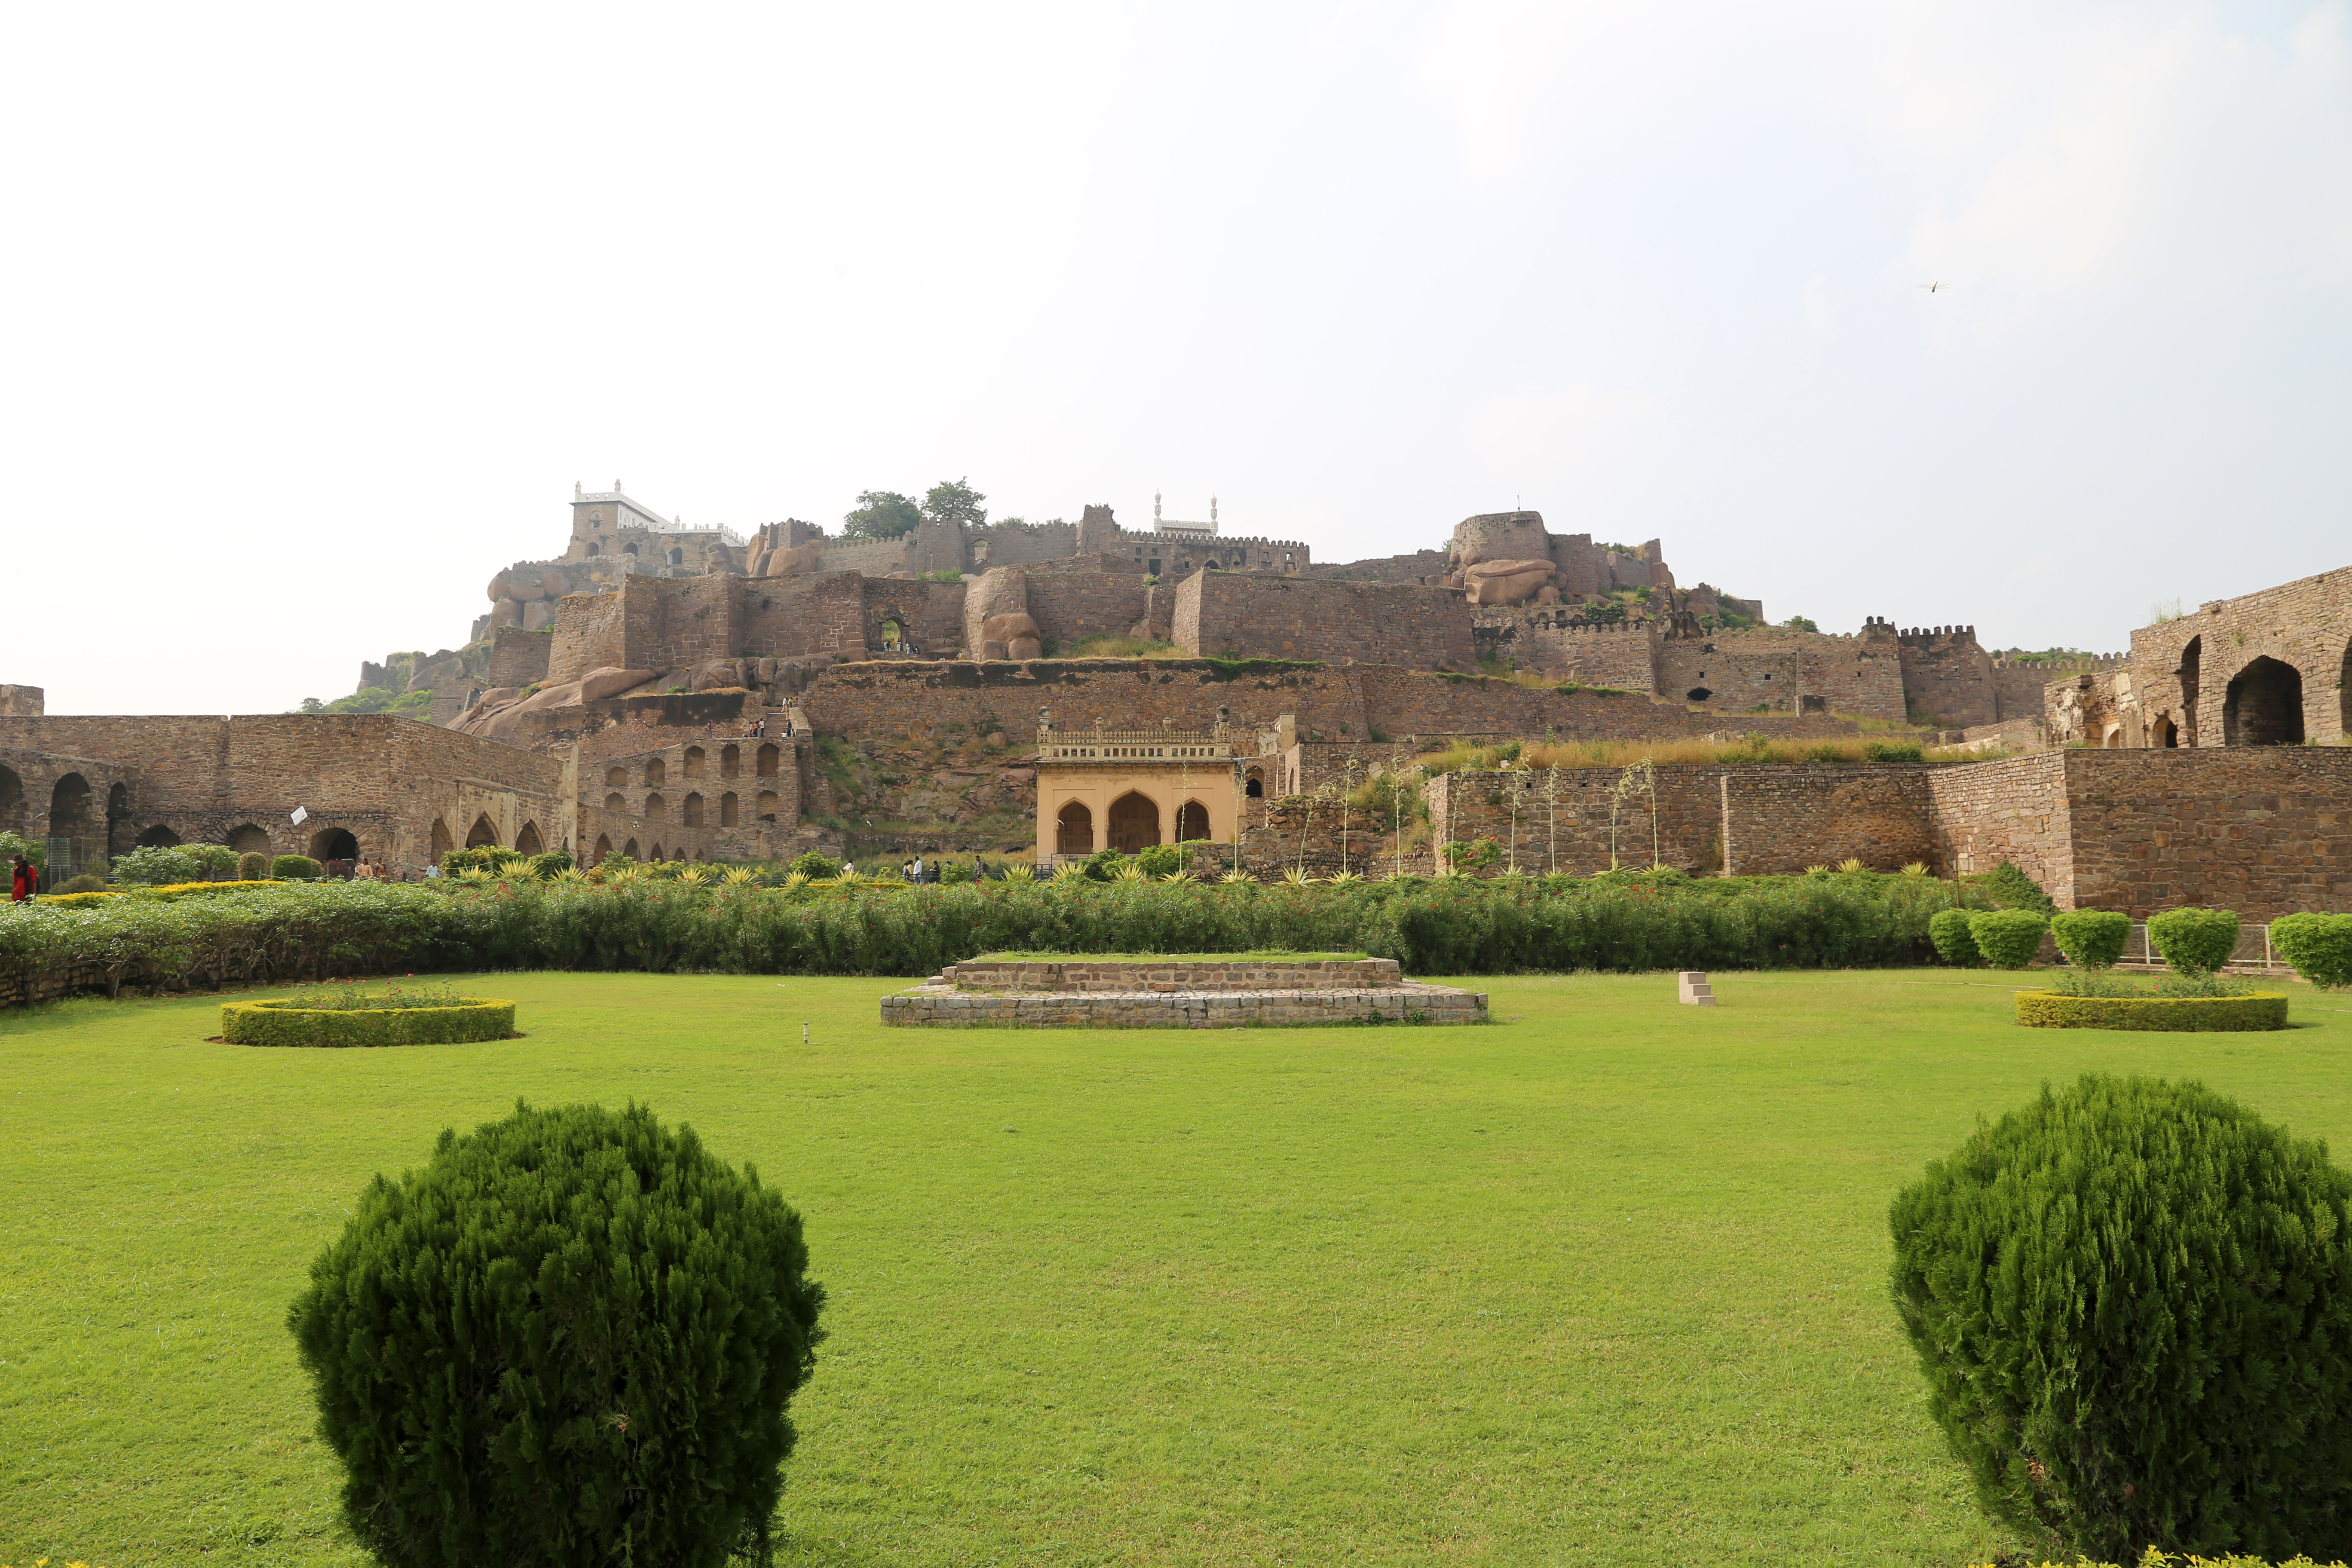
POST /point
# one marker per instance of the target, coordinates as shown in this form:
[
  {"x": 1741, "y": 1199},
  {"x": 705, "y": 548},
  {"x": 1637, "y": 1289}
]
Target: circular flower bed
[
  {"x": 287, "y": 1022},
  {"x": 2048, "y": 1010}
]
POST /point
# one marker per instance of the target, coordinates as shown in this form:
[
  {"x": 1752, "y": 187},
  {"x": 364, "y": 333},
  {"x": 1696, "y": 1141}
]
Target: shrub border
[
  {"x": 286, "y": 1023},
  {"x": 2048, "y": 1010}
]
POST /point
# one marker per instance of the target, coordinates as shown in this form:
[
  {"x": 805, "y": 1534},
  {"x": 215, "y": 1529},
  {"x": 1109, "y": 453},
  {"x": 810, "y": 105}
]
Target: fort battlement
[
  {"x": 2088, "y": 661},
  {"x": 1922, "y": 635}
]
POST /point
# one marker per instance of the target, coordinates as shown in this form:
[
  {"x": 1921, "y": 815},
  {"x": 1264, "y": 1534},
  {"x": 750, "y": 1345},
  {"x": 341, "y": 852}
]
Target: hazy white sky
[{"x": 314, "y": 314}]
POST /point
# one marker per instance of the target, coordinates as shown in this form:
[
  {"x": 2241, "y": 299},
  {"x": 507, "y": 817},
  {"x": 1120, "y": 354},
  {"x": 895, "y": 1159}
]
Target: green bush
[
  {"x": 1104, "y": 865},
  {"x": 1948, "y": 930},
  {"x": 2014, "y": 889},
  {"x": 1892, "y": 752},
  {"x": 816, "y": 868},
  {"x": 286, "y": 1022},
  {"x": 2194, "y": 939},
  {"x": 85, "y": 883},
  {"x": 2319, "y": 946},
  {"x": 297, "y": 866},
  {"x": 570, "y": 1339},
  {"x": 2007, "y": 938},
  {"x": 548, "y": 864},
  {"x": 1159, "y": 860},
  {"x": 2132, "y": 1305},
  {"x": 155, "y": 865},
  {"x": 212, "y": 859},
  {"x": 252, "y": 866},
  {"x": 2092, "y": 939},
  {"x": 2183, "y": 1014},
  {"x": 492, "y": 857}
]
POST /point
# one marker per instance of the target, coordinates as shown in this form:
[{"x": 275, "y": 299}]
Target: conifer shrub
[
  {"x": 2092, "y": 939},
  {"x": 570, "y": 1339},
  {"x": 2194, "y": 941},
  {"x": 252, "y": 866},
  {"x": 2014, "y": 889},
  {"x": 300, "y": 865},
  {"x": 1948, "y": 930},
  {"x": 2319, "y": 946},
  {"x": 2132, "y": 1302},
  {"x": 2007, "y": 938}
]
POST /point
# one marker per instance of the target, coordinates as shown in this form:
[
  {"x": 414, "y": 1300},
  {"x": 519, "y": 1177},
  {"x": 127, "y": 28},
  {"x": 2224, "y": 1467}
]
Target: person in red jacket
[{"x": 22, "y": 880}]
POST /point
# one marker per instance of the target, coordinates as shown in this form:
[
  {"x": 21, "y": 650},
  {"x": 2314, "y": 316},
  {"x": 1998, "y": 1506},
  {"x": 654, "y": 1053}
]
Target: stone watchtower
[
  {"x": 936, "y": 545},
  {"x": 1097, "y": 534}
]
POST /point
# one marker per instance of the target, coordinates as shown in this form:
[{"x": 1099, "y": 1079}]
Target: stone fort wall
[{"x": 1220, "y": 614}]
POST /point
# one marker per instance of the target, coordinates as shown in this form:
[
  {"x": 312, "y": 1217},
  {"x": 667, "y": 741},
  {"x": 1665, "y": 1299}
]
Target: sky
[{"x": 313, "y": 315}]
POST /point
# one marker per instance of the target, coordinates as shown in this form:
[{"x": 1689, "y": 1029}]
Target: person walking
[{"x": 22, "y": 880}]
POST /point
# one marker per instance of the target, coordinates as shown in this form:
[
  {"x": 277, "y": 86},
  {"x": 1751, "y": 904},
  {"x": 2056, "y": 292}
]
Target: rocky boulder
[
  {"x": 1010, "y": 636},
  {"x": 611, "y": 680},
  {"x": 1496, "y": 583}
]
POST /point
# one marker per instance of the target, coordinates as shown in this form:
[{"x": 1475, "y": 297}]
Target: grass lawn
[{"x": 1604, "y": 1283}]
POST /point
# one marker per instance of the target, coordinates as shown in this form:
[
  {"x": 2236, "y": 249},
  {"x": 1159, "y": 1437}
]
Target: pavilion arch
[
  {"x": 689, "y": 810},
  {"x": 657, "y": 809},
  {"x": 442, "y": 840},
  {"x": 158, "y": 837},
  {"x": 728, "y": 810},
  {"x": 1134, "y": 822},
  {"x": 655, "y": 772},
  {"x": 2263, "y": 706},
  {"x": 769, "y": 757},
  {"x": 730, "y": 761},
  {"x": 482, "y": 834},
  {"x": 1074, "y": 829},
  {"x": 527, "y": 840},
  {"x": 694, "y": 760},
  {"x": 1192, "y": 822},
  {"x": 603, "y": 848},
  {"x": 12, "y": 800},
  {"x": 333, "y": 844},
  {"x": 616, "y": 802},
  {"x": 616, "y": 777},
  {"x": 247, "y": 839}
]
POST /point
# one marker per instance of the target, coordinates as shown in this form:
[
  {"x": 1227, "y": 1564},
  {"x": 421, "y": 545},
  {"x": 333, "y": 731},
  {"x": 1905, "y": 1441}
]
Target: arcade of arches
[{"x": 1131, "y": 805}]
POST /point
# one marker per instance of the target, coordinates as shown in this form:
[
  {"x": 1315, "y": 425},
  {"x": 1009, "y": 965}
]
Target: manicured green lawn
[{"x": 1602, "y": 1284}]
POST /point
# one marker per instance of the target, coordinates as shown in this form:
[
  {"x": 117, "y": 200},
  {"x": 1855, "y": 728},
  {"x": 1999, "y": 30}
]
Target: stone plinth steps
[
  {"x": 1178, "y": 994},
  {"x": 1695, "y": 990}
]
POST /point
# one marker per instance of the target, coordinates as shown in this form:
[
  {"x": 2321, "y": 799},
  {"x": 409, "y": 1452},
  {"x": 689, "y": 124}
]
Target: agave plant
[
  {"x": 1345, "y": 877},
  {"x": 796, "y": 879},
  {"x": 1916, "y": 868},
  {"x": 475, "y": 874},
  {"x": 1130, "y": 872},
  {"x": 1817, "y": 871},
  {"x": 1020, "y": 872},
  {"x": 1850, "y": 866},
  {"x": 693, "y": 876},
  {"x": 1180, "y": 877},
  {"x": 1296, "y": 877},
  {"x": 570, "y": 874},
  {"x": 1237, "y": 875},
  {"x": 738, "y": 876},
  {"x": 1067, "y": 872}
]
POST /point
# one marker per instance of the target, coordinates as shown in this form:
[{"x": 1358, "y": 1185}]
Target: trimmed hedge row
[
  {"x": 2047, "y": 1010},
  {"x": 286, "y": 1022}
]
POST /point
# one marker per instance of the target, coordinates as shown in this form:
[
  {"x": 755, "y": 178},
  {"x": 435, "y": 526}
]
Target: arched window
[
  {"x": 690, "y": 811},
  {"x": 604, "y": 847},
  {"x": 1134, "y": 822},
  {"x": 730, "y": 761},
  {"x": 630, "y": 849},
  {"x": 69, "y": 811},
  {"x": 727, "y": 809},
  {"x": 768, "y": 756},
  {"x": 482, "y": 833},
  {"x": 677, "y": 557},
  {"x": 594, "y": 548},
  {"x": 629, "y": 549},
  {"x": 247, "y": 839},
  {"x": 655, "y": 773},
  {"x": 1192, "y": 823},
  {"x": 616, "y": 778},
  {"x": 658, "y": 856},
  {"x": 892, "y": 639},
  {"x": 767, "y": 804},
  {"x": 158, "y": 837},
  {"x": 654, "y": 807},
  {"x": 616, "y": 802},
  {"x": 2166, "y": 733},
  {"x": 2264, "y": 706},
  {"x": 694, "y": 761},
  {"x": 527, "y": 840},
  {"x": 442, "y": 842},
  {"x": 333, "y": 844},
  {"x": 1253, "y": 783},
  {"x": 1073, "y": 830}
]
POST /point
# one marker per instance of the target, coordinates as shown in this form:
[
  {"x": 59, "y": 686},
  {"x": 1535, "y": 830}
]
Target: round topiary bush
[
  {"x": 1948, "y": 930},
  {"x": 2194, "y": 941},
  {"x": 2319, "y": 946},
  {"x": 570, "y": 1339},
  {"x": 252, "y": 866},
  {"x": 2133, "y": 1304},
  {"x": 2091, "y": 939},
  {"x": 2007, "y": 938},
  {"x": 300, "y": 865}
]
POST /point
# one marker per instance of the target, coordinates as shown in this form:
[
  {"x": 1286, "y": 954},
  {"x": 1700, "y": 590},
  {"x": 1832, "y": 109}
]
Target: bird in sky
[{"x": 1931, "y": 288}]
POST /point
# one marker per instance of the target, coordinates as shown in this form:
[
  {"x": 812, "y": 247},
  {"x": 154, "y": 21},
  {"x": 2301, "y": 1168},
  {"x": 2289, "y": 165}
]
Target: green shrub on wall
[
  {"x": 1950, "y": 932},
  {"x": 2092, "y": 939},
  {"x": 2194, "y": 941},
  {"x": 573, "y": 1337},
  {"x": 2007, "y": 938},
  {"x": 2319, "y": 946},
  {"x": 297, "y": 866},
  {"x": 2132, "y": 1302}
]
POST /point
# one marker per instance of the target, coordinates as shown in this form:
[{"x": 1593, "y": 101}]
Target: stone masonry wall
[
  {"x": 1070, "y": 606},
  {"x": 2306, "y": 625},
  {"x": 1741, "y": 671},
  {"x": 1539, "y": 639},
  {"x": 519, "y": 657},
  {"x": 1782, "y": 820},
  {"x": 2264, "y": 830},
  {"x": 1234, "y": 614}
]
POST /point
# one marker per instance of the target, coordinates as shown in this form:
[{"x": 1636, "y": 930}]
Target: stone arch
[
  {"x": 1253, "y": 783},
  {"x": 2111, "y": 738},
  {"x": 767, "y": 804},
  {"x": 769, "y": 757},
  {"x": 594, "y": 548},
  {"x": 629, "y": 549},
  {"x": 689, "y": 810},
  {"x": 443, "y": 842},
  {"x": 1074, "y": 829},
  {"x": 616, "y": 777},
  {"x": 730, "y": 761},
  {"x": 616, "y": 802},
  {"x": 2191, "y": 655},
  {"x": 892, "y": 638},
  {"x": 481, "y": 835},
  {"x": 71, "y": 815},
  {"x": 727, "y": 809},
  {"x": 157, "y": 837},
  {"x": 333, "y": 844},
  {"x": 2165, "y": 733},
  {"x": 247, "y": 839},
  {"x": 2263, "y": 706},
  {"x": 654, "y": 807},
  {"x": 656, "y": 773},
  {"x": 12, "y": 800},
  {"x": 1192, "y": 822},
  {"x": 527, "y": 840},
  {"x": 658, "y": 856},
  {"x": 1134, "y": 822},
  {"x": 676, "y": 557},
  {"x": 604, "y": 847},
  {"x": 694, "y": 760},
  {"x": 630, "y": 849}
]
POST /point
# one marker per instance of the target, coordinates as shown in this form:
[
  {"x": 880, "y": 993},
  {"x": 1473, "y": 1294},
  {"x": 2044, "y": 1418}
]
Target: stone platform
[{"x": 1177, "y": 994}]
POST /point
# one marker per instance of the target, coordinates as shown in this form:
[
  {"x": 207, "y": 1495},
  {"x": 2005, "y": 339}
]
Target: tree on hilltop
[
  {"x": 881, "y": 514},
  {"x": 1801, "y": 623},
  {"x": 954, "y": 500}
]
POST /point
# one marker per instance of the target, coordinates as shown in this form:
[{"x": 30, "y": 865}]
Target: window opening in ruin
[
  {"x": 2190, "y": 654},
  {"x": 654, "y": 807},
  {"x": 616, "y": 802},
  {"x": 2168, "y": 733},
  {"x": 630, "y": 849},
  {"x": 527, "y": 840},
  {"x": 767, "y": 804},
  {"x": 333, "y": 844},
  {"x": 731, "y": 762},
  {"x": 1134, "y": 822},
  {"x": 616, "y": 778},
  {"x": 657, "y": 853},
  {"x": 158, "y": 837},
  {"x": 727, "y": 809},
  {"x": 629, "y": 550},
  {"x": 1152, "y": 567},
  {"x": 12, "y": 801},
  {"x": 677, "y": 557},
  {"x": 890, "y": 636},
  {"x": 593, "y": 547},
  {"x": 1256, "y": 787},
  {"x": 1073, "y": 830},
  {"x": 690, "y": 811},
  {"x": 655, "y": 773},
  {"x": 2264, "y": 706},
  {"x": 481, "y": 834},
  {"x": 604, "y": 847},
  {"x": 247, "y": 839},
  {"x": 1192, "y": 822},
  {"x": 1698, "y": 694},
  {"x": 767, "y": 759},
  {"x": 694, "y": 761}
]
